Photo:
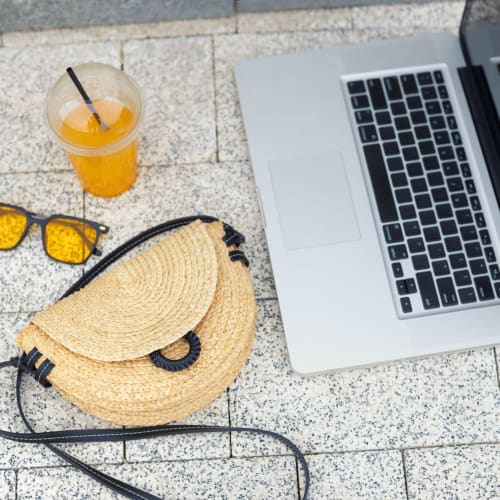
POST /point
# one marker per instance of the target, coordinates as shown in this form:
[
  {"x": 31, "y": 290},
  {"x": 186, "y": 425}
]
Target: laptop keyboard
[{"x": 435, "y": 235}]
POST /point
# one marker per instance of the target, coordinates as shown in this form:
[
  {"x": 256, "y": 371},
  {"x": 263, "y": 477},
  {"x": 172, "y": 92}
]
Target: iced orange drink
[{"x": 103, "y": 154}]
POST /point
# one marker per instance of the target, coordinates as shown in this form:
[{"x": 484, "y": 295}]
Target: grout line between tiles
[{"x": 404, "y": 473}]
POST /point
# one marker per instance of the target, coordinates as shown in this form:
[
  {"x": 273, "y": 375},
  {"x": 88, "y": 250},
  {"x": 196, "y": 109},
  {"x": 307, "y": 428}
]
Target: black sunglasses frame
[{"x": 41, "y": 221}]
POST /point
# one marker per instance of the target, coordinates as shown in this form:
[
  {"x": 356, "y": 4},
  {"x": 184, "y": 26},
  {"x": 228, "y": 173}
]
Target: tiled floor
[{"x": 414, "y": 429}]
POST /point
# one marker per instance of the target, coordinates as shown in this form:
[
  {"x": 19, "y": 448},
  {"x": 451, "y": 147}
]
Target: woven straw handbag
[{"x": 154, "y": 339}]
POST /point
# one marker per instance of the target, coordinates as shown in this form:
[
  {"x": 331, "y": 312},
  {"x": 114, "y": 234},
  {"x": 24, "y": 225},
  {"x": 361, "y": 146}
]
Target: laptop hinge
[{"x": 485, "y": 118}]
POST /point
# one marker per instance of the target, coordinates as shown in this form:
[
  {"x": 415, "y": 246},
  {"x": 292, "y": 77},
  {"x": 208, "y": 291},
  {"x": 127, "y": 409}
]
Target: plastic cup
[{"x": 104, "y": 158}]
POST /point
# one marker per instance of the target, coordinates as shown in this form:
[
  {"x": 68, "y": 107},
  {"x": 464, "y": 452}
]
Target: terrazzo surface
[{"x": 427, "y": 428}]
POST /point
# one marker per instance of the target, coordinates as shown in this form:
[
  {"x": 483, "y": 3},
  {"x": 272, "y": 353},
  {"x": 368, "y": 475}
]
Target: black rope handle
[{"x": 107, "y": 435}]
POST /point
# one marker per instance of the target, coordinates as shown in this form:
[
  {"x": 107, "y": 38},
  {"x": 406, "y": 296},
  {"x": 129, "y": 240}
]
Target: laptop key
[
  {"x": 495, "y": 272},
  {"x": 399, "y": 179},
  {"x": 433, "y": 107},
  {"x": 436, "y": 251},
  {"x": 441, "y": 267},
  {"x": 398, "y": 108},
  {"x": 497, "y": 289},
  {"x": 414, "y": 102},
  {"x": 473, "y": 250},
  {"x": 416, "y": 245},
  {"x": 423, "y": 201},
  {"x": 406, "y": 287},
  {"x": 411, "y": 228},
  {"x": 467, "y": 295},
  {"x": 435, "y": 179},
  {"x": 490, "y": 254},
  {"x": 437, "y": 122},
  {"x": 443, "y": 210},
  {"x": 424, "y": 78},
  {"x": 439, "y": 195},
  {"x": 357, "y": 87},
  {"x": 423, "y": 132},
  {"x": 438, "y": 76},
  {"x": 474, "y": 201},
  {"x": 455, "y": 183},
  {"x": 397, "y": 252},
  {"x": 431, "y": 234},
  {"x": 382, "y": 117},
  {"x": 461, "y": 154},
  {"x": 427, "y": 217},
  {"x": 468, "y": 233},
  {"x": 360, "y": 101},
  {"x": 414, "y": 169},
  {"x": 453, "y": 244},
  {"x": 448, "y": 227},
  {"x": 462, "y": 277},
  {"x": 403, "y": 195},
  {"x": 464, "y": 216},
  {"x": 406, "y": 138},
  {"x": 478, "y": 266},
  {"x": 428, "y": 93},
  {"x": 420, "y": 262},
  {"x": 406, "y": 304},
  {"x": 368, "y": 133},
  {"x": 483, "y": 288},
  {"x": 392, "y": 88},
  {"x": 442, "y": 137},
  {"x": 447, "y": 108},
  {"x": 427, "y": 290},
  {"x": 407, "y": 212},
  {"x": 426, "y": 147},
  {"x": 393, "y": 233},
  {"x": 410, "y": 153},
  {"x": 397, "y": 270},
  {"x": 409, "y": 84},
  {"x": 387, "y": 133},
  {"x": 402, "y": 123},
  {"x": 459, "y": 200},
  {"x": 446, "y": 153},
  {"x": 391, "y": 148},
  {"x": 380, "y": 182},
  {"x": 363, "y": 116},
  {"x": 418, "y": 117},
  {"x": 456, "y": 138},
  {"x": 450, "y": 168},
  {"x": 485, "y": 237},
  {"x": 447, "y": 292},
  {"x": 452, "y": 123},
  {"x": 395, "y": 164},
  {"x": 458, "y": 261},
  {"x": 464, "y": 167},
  {"x": 431, "y": 163},
  {"x": 376, "y": 93},
  {"x": 470, "y": 186},
  {"x": 443, "y": 92}
]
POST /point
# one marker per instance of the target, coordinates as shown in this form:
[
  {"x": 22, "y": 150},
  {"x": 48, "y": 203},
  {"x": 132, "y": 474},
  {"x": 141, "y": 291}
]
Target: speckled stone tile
[
  {"x": 432, "y": 401},
  {"x": 225, "y": 190},
  {"x": 461, "y": 472},
  {"x": 177, "y": 81},
  {"x": 46, "y": 409},
  {"x": 294, "y": 20},
  {"x": 26, "y": 75},
  {"x": 187, "y": 446},
  {"x": 29, "y": 279},
  {"x": 441, "y": 15},
  {"x": 181, "y": 27},
  {"x": 369, "y": 475},
  {"x": 8, "y": 485},
  {"x": 256, "y": 478}
]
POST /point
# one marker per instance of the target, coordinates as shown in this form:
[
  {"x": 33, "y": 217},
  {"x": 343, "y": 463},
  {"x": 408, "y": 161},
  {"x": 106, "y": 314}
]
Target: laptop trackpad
[{"x": 314, "y": 200}]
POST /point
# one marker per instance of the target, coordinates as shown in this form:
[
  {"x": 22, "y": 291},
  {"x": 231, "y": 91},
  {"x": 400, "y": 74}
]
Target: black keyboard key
[
  {"x": 437, "y": 122},
  {"x": 418, "y": 117},
  {"x": 406, "y": 138},
  {"x": 438, "y": 76},
  {"x": 387, "y": 133},
  {"x": 392, "y": 88},
  {"x": 420, "y": 262},
  {"x": 464, "y": 216},
  {"x": 483, "y": 288},
  {"x": 426, "y": 147},
  {"x": 398, "y": 108},
  {"x": 474, "y": 201},
  {"x": 490, "y": 254},
  {"x": 455, "y": 184},
  {"x": 433, "y": 107},
  {"x": 435, "y": 179},
  {"x": 467, "y": 295},
  {"x": 414, "y": 102},
  {"x": 462, "y": 277},
  {"x": 411, "y": 228},
  {"x": 497, "y": 289},
  {"x": 383, "y": 118},
  {"x": 455, "y": 137},
  {"x": 376, "y": 93},
  {"x": 409, "y": 84},
  {"x": 447, "y": 107},
  {"x": 444, "y": 210},
  {"x": 402, "y": 123},
  {"x": 363, "y": 116},
  {"x": 478, "y": 266},
  {"x": 452, "y": 123},
  {"x": 410, "y": 154},
  {"x": 428, "y": 93},
  {"x": 431, "y": 163},
  {"x": 470, "y": 186},
  {"x": 395, "y": 164},
  {"x": 368, "y": 133},
  {"x": 393, "y": 233},
  {"x": 458, "y": 261},
  {"x": 397, "y": 270},
  {"x": 414, "y": 169},
  {"x": 439, "y": 195},
  {"x": 357, "y": 87},
  {"x": 391, "y": 148},
  {"x": 397, "y": 252},
  {"x": 443, "y": 93},
  {"x": 450, "y": 168},
  {"x": 453, "y": 244},
  {"x": 473, "y": 250},
  {"x": 442, "y": 137},
  {"x": 436, "y": 251},
  {"x": 419, "y": 185},
  {"x": 431, "y": 234},
  {"x": 495, "y": 272},
  {"x": 407, "y": 212},
  {"x": 427, "y": 217},
  {"x": 447, "y": 292},
  {"x": 416, "y": 245},
  {"x": 448, "y": 227},
  {"x": 446, "y": 153},
  {"x": 380, "y": 182},
  {"x": 423, "y": 201},
  {"x": 479, "y": 217},
  {"x": 406, "y": 304},
  {"x": 399, "y": 179},
  {"x": 461, "y": 154},
  {"x": 403, "y": 195},
  {"x": 440, "y": 267},
  {"x": 485, "y": 237},
  {"x": 464, "y": 167},
  {"x": 423, "y": 132},
  {"x": 427, "y": 290},
  {"x": 459, "y": 200},
  {"x": 424, "y": 78},
  {"x": 360, "y": 101},
  {"x": 468, "y": 233},
  {"x": 406, "y": 287}
]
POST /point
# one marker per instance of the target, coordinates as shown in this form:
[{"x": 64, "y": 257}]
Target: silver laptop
[{"x": 378, "y": 171}]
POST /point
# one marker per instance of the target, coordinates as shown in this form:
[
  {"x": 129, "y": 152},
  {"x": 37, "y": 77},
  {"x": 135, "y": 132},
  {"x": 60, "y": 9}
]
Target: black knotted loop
[
  {"x": 232, "y": 237},
  {"x": 235, "y": 255},
  {"x": 176, "y": 365},
  {"x": 27, "y": 363}
]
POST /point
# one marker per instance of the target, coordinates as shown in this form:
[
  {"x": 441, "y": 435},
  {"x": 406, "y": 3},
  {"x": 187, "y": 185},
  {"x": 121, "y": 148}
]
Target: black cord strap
[{"x": 50, "y": 438}]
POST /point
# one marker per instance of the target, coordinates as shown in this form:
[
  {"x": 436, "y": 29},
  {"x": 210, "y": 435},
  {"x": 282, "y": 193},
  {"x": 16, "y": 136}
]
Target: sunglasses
[{"x": 66, "y": 239}]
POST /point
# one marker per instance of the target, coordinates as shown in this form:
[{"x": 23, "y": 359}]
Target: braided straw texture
[
  {"x": 141, "y": 305},
  {"x": 135, "y": 392}
]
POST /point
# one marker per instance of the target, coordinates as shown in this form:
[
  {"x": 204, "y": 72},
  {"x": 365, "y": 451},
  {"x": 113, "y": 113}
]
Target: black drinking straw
[{"x": 86, "y": 98}]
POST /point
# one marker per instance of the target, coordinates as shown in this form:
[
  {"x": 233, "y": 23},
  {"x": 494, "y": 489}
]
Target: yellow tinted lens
[
  {"x": 12, "y": 226},
  {"x": 69, "y": 240}
]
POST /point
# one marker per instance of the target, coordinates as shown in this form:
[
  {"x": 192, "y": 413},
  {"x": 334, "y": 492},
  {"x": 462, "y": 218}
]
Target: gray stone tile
[
  {"x": 8, "y": 485},
  {"x": 438, "y": 400},
  {"x": 294, "y": 20},
  {"x": 46, "y": 409},
  {"x": 369, "y": 475},
  {"x": 27, "y": 73},
  {"x": 462, "y": 472},
  {"x": 187, "y": 447},
  {"x": 177, "y": 81},
  {"x": 223, "y": 190},
  {"x": 29, "y": 279},
  {"x": 181, "y": 27},
  {"x": 222, "y": 479}
]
